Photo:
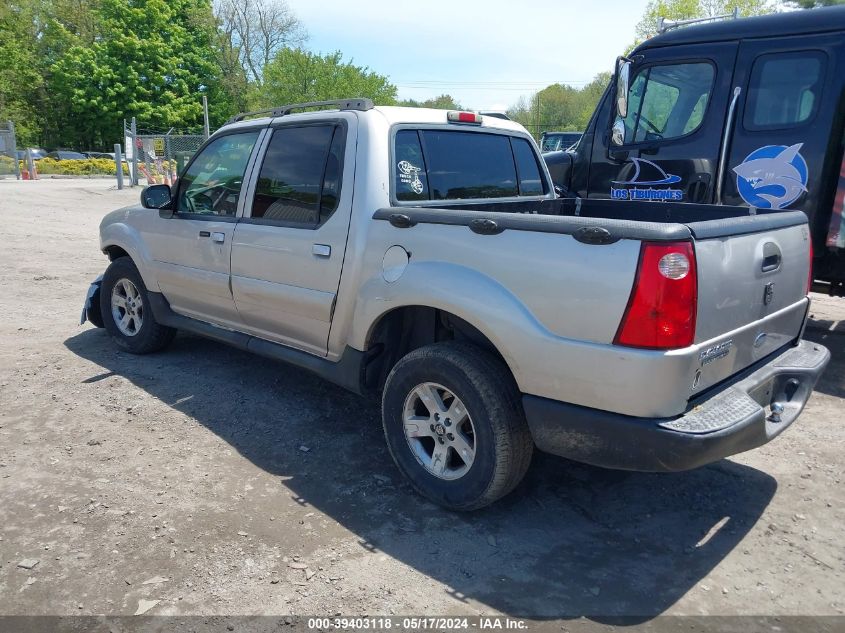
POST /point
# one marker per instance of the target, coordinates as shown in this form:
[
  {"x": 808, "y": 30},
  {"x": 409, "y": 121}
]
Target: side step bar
[{"x": 348, "y": 372}]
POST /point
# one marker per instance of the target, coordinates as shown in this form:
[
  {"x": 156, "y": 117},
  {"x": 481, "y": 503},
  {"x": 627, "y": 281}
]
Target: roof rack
[
  {"x": 359, "y": 104},
  {"x": 664, "y": 25}
]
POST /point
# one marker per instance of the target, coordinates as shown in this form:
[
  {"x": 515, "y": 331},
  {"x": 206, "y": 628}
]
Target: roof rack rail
[
  {"x": 360, "y": 104},
  {"x": 664, "y": 25}
]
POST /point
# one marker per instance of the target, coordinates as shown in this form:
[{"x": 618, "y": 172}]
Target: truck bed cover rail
[{"x": 592, "y": 230}]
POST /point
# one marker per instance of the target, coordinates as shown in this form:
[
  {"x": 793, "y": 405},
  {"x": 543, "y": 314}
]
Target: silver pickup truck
[{"x": 422, "y": 256}]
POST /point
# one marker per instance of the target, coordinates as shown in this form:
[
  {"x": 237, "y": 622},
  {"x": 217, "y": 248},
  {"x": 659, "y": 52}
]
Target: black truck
[{"x": 741, "y": 112}]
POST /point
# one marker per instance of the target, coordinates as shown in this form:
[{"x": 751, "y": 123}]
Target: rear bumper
[{"x": 730, "y": 419}]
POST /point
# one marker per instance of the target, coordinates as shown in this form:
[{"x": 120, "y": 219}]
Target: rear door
[
  {"x": 779, "y": 156},
  {"x": 678, "y": 99},
  {"x": 288, "y": 249}
]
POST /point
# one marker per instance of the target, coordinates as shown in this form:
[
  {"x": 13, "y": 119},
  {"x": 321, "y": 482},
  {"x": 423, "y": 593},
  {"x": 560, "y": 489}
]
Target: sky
[{"x": 486, "y": 54}]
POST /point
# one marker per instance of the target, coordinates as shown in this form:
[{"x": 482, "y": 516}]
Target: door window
[
  {"x": 299, "y": 182},
  {"x": 211, "y": 185},
  {"x": 530, "y": 181},
  {"x": 784, "y": 90},
  {"x": 667, "y": 101}
]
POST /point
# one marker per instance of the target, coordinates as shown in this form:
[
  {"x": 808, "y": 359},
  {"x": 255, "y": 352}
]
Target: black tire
[
  {"x": 150, "y": 336},
  {"x": 502, "y": 440}
]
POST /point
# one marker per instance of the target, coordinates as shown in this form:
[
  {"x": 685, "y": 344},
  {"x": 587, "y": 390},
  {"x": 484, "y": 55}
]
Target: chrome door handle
[
  {"x": 321, "y": 250},
  {"x": 218, "y": 237}
]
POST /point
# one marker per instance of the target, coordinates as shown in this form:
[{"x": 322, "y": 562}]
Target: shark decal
[
  {"x": 772, "y": 177},
  {"x": 641, "y": 186}
]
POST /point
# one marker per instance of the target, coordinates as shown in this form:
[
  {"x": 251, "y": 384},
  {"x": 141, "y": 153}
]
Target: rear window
[
  {"x": 785, "y": 90},
  {"x": 455, "y": 165}
]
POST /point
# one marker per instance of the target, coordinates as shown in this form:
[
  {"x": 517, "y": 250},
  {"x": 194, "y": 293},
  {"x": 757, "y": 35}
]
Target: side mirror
[
  {"x": 617, "y": 132},
  {"x": 156, "y": 197},
  {"x": 623, "y": 72}
]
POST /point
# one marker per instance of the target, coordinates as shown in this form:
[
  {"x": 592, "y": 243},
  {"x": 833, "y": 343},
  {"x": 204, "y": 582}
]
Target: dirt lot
[{"x": 203, "y": 480}]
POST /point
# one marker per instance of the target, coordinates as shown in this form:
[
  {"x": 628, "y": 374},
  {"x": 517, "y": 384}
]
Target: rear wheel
[
  {"x": 125, "y": 308},
  {"x": 455, "y": 426}
]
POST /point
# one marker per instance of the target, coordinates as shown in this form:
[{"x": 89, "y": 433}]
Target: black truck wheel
[{"x": 454, "y": 425}]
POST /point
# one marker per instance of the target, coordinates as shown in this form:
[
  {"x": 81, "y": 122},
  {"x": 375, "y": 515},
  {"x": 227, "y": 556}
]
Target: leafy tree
[
  {"x": 152, "y": 59},
  {"x": 559, "y": 107},
  {"x": 20, "y": 77},
  {"x": 295, "y": 76},
  {"x": 443, "y": 102},
  {"x": 687, "y": 9}
]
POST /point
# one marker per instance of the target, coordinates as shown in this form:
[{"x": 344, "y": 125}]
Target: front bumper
[
  {"x": 727, "y": 420},
  {"x": 91, "y": 307}
]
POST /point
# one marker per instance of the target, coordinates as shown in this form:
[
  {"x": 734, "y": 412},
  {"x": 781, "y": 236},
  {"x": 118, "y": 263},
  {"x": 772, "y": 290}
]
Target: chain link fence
[
  {"x": 159, "y": 158},
  {"x": 9, "y": 165}
]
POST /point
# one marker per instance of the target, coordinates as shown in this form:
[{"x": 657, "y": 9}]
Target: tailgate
[{"x": 753, "y": 277}]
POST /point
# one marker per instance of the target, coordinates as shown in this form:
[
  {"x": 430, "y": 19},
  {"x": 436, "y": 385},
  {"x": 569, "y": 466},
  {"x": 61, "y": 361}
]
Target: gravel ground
[{"x": 203, "y": 480}]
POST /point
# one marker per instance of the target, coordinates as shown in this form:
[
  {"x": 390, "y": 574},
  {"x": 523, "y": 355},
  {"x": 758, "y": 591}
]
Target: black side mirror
[{"x": 156, "y": 197}]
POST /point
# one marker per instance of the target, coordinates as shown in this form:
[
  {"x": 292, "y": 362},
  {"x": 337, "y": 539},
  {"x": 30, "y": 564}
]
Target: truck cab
[{"x": 743, "y": 112}]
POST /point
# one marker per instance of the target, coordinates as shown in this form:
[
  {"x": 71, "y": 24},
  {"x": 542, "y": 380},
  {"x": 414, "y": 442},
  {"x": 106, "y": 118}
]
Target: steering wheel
[{"x": 651, "y": 125}]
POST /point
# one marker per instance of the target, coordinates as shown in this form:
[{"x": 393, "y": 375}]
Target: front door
[
  {"x": 192, "y": 249},
  {"x": 678, "y": 100},
  {"x": 288, "y": 249}
]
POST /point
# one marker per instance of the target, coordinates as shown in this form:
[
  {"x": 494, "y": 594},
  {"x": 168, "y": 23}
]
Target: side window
[
  {"x": 334, "y": 172},
  {"x": 212, "y": 183},
  {"x": 530, "y": 180},
  {"x": 456, "y": 165},
  {"x": 411, "y": 179},
  {"x": 468, "y": 165},
  {"x": 291, "y": 181},
  {"x": 784, "y": 90},
  {"x": 667, "y": 101}
]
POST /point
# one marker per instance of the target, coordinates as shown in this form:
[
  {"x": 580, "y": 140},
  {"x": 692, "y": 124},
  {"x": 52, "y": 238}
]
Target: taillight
[
  {"x": 463, "y": 117},
  {"x": 661, "y": 309}
]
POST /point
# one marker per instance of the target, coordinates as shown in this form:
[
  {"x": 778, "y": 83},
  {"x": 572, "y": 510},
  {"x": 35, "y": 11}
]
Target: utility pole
[
  {"x": 206, "y": 128},
  {"x": 134, "y": 174},
  {"x": 537, "y": 117}
]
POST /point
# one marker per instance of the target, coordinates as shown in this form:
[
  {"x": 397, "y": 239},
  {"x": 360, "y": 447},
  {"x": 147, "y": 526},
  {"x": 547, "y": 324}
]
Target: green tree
[
  {"x": 153, "y": 59},
  {"x": 295, "y": 76},
  {"x": 687, "y": 9},
  {"x": 443, "y": 102},
  {"x": 20, "y": 76},
  {"x": 560, "y": 107}
]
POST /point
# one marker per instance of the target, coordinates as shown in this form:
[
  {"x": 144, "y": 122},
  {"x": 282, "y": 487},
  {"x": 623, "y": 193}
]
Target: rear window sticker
[{"x": 409, "y": 175}]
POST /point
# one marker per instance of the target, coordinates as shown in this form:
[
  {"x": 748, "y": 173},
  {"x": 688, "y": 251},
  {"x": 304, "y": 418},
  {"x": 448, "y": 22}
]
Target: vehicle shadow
[
  {"x": 831, "y": 334},
  {"x": 573, "y": 540}
]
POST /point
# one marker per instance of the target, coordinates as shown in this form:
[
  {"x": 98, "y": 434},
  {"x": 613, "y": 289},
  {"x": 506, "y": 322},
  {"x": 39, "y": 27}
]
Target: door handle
[
  {"x": 217, "y": 236},
  {"x": 321, "y": 250}
]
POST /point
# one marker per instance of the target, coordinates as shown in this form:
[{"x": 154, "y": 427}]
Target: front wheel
[
  {"x": 126, "y": 312},
  {"x": 455, "y": 426}
]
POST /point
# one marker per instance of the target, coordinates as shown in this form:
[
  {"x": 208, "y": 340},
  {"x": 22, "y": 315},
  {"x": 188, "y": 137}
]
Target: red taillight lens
[
  {"x": 661, "y": 310},
  {"x": 454, "y": 116}
]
